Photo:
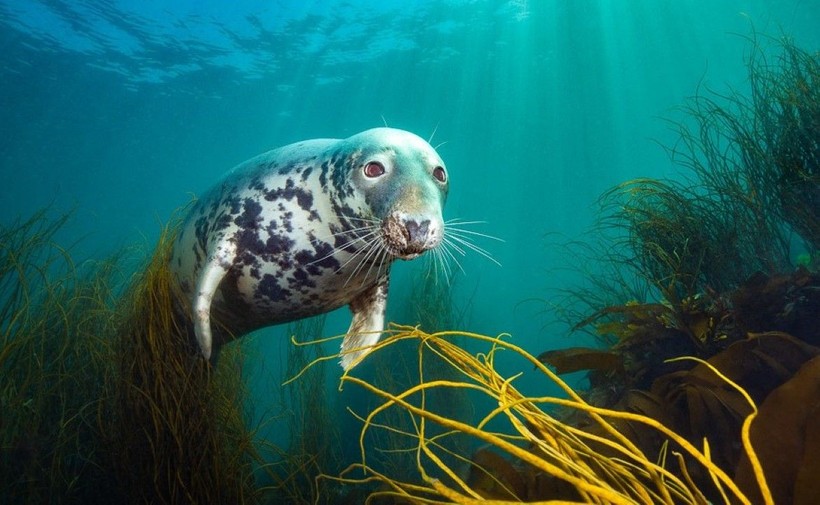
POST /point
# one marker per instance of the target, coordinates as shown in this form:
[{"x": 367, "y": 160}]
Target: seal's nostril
[
  {"x": 412, "y": 229},
  {"x": 417, "y": 231}
]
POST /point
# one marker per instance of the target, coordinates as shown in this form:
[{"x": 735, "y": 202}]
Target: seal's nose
[
  {"x": 417, "y": 233},
  {"x": 406, "y": 237}
]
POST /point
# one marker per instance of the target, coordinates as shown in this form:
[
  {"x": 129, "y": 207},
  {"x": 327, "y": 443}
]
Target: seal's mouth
[
  {"x": 408, "y": 256},
  {"x": 407, "y": 238}
]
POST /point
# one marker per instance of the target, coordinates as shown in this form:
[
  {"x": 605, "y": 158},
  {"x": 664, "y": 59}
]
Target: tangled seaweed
[
  {"x": 54, "y": 321},
  {"x": 430, "y": 306},
  {"x": 538, "y": 458},
  {"x": 712, "y": 268},
  {"x": 101, "y": 402},
  {"x": 314, "y": 444},
  {"x": 176, "y": 423},
  {"x": 755, "y": 194}
]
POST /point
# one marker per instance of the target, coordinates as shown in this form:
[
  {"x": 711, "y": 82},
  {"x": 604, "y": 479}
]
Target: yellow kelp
[{"x": 540, "y": 459}]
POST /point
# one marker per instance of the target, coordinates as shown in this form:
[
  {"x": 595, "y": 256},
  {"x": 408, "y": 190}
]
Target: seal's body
[{"x": 307, "y": 228}]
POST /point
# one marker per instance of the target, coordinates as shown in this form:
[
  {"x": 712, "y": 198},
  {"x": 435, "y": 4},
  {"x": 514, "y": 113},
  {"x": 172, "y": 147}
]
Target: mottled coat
[{"x": 307, "y": 228}]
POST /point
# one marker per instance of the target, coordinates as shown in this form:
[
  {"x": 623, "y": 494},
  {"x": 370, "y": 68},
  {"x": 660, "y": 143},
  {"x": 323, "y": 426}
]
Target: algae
[
  {"x": 715, "y": 266},
  {"x": 101, "y": 401}
]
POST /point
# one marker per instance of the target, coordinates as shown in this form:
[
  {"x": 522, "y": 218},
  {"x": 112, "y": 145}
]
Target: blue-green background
[{"x": 123, "y": 109}]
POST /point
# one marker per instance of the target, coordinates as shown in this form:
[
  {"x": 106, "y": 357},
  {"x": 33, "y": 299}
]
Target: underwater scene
[{"x": 410, "y": 252}]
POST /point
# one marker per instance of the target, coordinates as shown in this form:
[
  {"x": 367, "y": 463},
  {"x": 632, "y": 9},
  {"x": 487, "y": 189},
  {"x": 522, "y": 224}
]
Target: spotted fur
[{"x": 283, "y": 236}]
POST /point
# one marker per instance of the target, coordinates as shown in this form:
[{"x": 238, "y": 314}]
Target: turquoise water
[{"x": 122, "y": 110}]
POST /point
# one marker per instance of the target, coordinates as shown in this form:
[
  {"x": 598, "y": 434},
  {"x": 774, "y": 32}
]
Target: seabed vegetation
[
  {"x": 704, "y": 388},
  {"x": 53, "y": 351},
  {"x": 101, "y": 401},
  {"x": 538, "y": 458},
  {"x": 721, "y": 265}
]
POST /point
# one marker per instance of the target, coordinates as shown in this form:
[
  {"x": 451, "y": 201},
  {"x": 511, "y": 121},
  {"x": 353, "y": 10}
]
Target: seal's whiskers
[
  {"x": 366, "y": 248},
  {"x": 461, "y": 239},
  {"x": 455, "y": 242},
  {"x": 354, "y": 232},
  {"x": 356, "y": 238},
  {"x": 371, "y": 237},
  {"x": 448, "y": 249},
  {"x": 440, "y": 263},
  {"x": 466, "y": 243},
  {"x": 379, "y": 258},
  {"x": 371, "y": 249},
  {"x": 371, "y": 220}
]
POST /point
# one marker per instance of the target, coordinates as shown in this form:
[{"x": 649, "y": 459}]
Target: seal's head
[{"x": 403, "y": 183}]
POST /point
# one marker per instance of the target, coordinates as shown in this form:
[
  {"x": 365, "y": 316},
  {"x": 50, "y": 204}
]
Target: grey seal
[{"x": 305, "y": 229}]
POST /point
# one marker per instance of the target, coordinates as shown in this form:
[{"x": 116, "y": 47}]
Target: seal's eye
[
  {"x": 373, "y": 169},
  {"x": 440, "y": 174}
]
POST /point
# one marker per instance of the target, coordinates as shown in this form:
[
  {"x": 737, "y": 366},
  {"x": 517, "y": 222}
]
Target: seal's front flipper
[
  {"x": 368, "y": 323},
  {"x": 219, "y": 262}
]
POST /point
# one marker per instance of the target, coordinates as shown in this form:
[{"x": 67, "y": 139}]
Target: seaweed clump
[
  {"x": 55, "y": 320},
  {"x": 177, "y": 423},
  {"x": 532, "y": 455},
  {"x": 753, "y": 201},
  {"x": 100, "y": 399},
  {"x": 722, "y": 266}
]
